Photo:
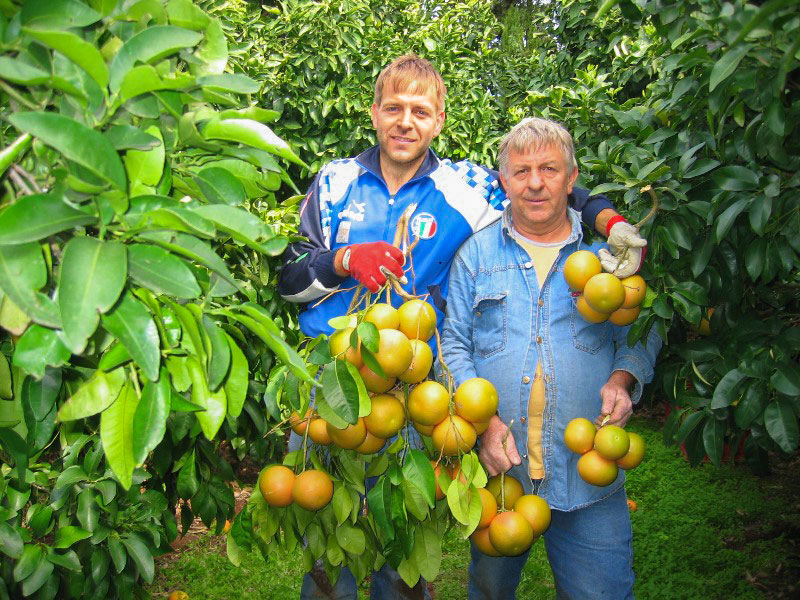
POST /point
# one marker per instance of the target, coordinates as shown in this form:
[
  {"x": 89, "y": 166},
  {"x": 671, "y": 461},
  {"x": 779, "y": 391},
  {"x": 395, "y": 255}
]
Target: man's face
[
  {"x": 406, "y": 124},
  {"x": 538, "y": 182}
]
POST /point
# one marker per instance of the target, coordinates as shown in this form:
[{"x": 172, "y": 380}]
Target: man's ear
[
  {"x": 439, "y": 123},
  {"x": 374, "y": 113},
  {"x": 572, "y": 177},
  {"x": 504, "y": 184}
]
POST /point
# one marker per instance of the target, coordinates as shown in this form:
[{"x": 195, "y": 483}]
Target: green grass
[{"x": 700, "y": 533}]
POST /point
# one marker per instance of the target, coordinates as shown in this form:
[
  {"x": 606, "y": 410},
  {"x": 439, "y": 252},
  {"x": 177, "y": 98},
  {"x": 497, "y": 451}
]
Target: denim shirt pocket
[
  {"x": 588, "y": 337},
  {"x": 490, "y": 323}
]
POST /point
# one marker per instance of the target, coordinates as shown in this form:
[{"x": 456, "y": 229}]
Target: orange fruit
[
  {"x": 579, "y": 267},
  {"x": 481, "y": 427},
  {"x": 488, "y": 507},
  {"x": 383, "y": 316},
  {"x": 632, "y": 506},
  {"x": 374, "y": 382},
  {"x": 579, "y": 435},
  {"x": 275, "y": 484},
  {"x": 299, "y": 425},
  {"x": 635, "y": 452},
  {"x": 371, "y": 444},
  {"x": 512, "y": 486},
  {"x": 588, "y": 313},
  {"x": 424, "y": 429},
  {"x": 417, "y": 319},
  {"x": 454, "y": 435},
  {"x": 595, "y": 469},
  {"x": 178, "y": 595},
  {"x": 421, "y": 361},
  {"x": 351, "y": 436},
  {"x": 624, "y": 316},
  {"x": 394, "y": 352},
  {"x": 635, "y": 291},
  {"x": 437, "y": 470},
  {"x": 536, "y": 510},
  {"x": 386, "y": 417},
  {"x": 476, "y": 400},
  {"x": 340, "y": 347},
  {"x": 612, "y": 442},
  {"x": 480, "y": 538},
  {"x": 604, "y": 293},
  {"x": 227, "y": 527},
  {"x": 318, "y": 432},
  {"x": 312, "y": 489},
  {"x": 428, "y": 403},
  {"x": 510, "y": 533},
  {"x": 705, "y": 323}
]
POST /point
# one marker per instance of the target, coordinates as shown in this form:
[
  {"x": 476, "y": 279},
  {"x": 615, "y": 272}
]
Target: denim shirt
[{"x": 500, "y": 324}]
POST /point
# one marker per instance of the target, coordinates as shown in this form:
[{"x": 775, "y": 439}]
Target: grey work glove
[{"x": 627, "y": 250}]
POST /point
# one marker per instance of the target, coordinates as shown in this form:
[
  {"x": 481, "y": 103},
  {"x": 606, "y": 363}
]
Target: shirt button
[
  {"x": 541, "y": 302},
  {"x": 525, "y": 456},
  {"x": 538, "y": 339},
  {"x": 526, "y": 379},
  {"x": 547, "y": 378},
  {"x": 523, "y": 419},
  {"x": 528, "y": 265}
]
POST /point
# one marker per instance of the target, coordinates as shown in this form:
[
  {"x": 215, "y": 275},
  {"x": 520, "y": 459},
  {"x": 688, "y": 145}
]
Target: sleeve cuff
[{"x": 325, "y": 271}]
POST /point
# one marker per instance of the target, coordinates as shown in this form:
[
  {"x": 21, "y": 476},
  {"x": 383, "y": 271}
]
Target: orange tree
[{"x": 140, "y": 218}]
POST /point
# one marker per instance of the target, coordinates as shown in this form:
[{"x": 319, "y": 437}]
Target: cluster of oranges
[
  {"x": 603, "y": 296},
  {"x": 509, "y": 532},
  {"x": 603, "y": 451},
  {"x": 312, "y": 489}
]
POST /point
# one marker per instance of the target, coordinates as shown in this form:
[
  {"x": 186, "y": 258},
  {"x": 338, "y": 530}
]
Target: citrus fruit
[
  {"x": 371, "y": 444},
  {"x": 383, "y": 316},
  {"x": 421, "y": 361},
  {"x": 374, "y": 382},
  {"x": 394, "y": 352},
  {"x": 579, "y": 435},
  {"x": 424, "y": 429},
  {"x": 512, "y": 486},
  {"x": 624, "y": 316},
  {"x": 351, "y": 436},
  {"x": 299, "y": 425},
  {"x": 536, "y": 510},
  {"x": 340, "y": 347},
  {"x": 480, "y": 538},
  {"x": 635, "y": 452},
  {"x": 476, "y": 400},
  {"x": 318, "y": 432},
  {"x": 488, "y": 507},
  {"x": 386, "y": 417},
  {"x": 417, "y": 319},
  {"x": 178, "y": 595},
  {"x": 588, "y": 313},
  {"x": 453, "y": 435},
  {"x": 510, "y": 533},
  {"x": 635, "y": 290},
  {"x": 604, "y": 293},
  {"x": 428, "y": 403},
  {"x": 312, "y": 489},
  {"x": 275, "y": 484},
  {"x": 612, "y": 442},
  {"x": 632, "y": 506},
  {"x": 480, "y": 427},
  {"x": 579, "y": 267},
  {"x": 437, "y": 470},
  {"x": 595, "y": 469}
]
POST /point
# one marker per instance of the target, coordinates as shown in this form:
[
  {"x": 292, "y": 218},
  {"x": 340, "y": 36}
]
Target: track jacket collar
[{"x": 370, "y": 160}]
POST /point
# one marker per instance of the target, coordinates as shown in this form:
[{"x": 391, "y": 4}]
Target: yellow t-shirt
[{"x": 543, "y": 256}]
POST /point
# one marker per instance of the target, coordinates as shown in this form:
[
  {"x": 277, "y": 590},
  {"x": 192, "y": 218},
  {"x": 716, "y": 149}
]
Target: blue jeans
[
  {"x": 385, "y": 584},
  {"x": 590, "y": 551}
]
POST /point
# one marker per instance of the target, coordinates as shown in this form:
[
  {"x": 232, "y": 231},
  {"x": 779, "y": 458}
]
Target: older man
[{"x": 511, "y": 319}]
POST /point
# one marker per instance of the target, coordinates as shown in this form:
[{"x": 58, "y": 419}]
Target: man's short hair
[
  {"x": 533, "y": 133},
  {"x": 412, "y": 74}
]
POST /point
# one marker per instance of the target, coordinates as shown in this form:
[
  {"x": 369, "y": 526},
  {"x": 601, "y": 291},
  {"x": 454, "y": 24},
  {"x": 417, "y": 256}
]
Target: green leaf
[
  {"x": 219, "y": 358},
  {"x": 116, "y": 433},
  {"x": 63, "y": 14},
  {"x": 38, "y": 578},
  {"x": 351, "y": 539},
  {"x": 214, "y": 404},
  {"x": 88, "y": 512},
  {"x": 131, "y": 323},
  {"x": 760, "y": 211},
  {"x": 141, "y": 555},
  {"x": 701, "y": 167},
  {"x": 41, "y": 394},
  {"x": 780, "y": 421},
  {"x": 213, "y": 52},
  {"x": 251, "y": 133},
  {"x": 68, "y": 535},
  {"x": 185, "y": 14},
  {"x": 714, "y": 439},
  {"x": 725, "y": 391},
  {"x": 68, "y": 560},
  {"x": 786, "y": 379},
  {"x": 735, "y": 179},
  {"x": 692, "y": 291},
  {"x": 339, "y": 406},
  {"x": 418, "y": 472},
  {"x": 150, "y": 418},
  {"x": 726, "y": 65},
  {"x": 379, "y": 502},
  {"x": 78, "y": 143},
  {"x": 427, "y": 553},
  {"x": 754, "y": 257},
  {"x": 764, "y": 11},
  {"x": 93, "y": 273},
  {"x": 75, "y": 48},
  {"x": 117, "y": 552},
  {"x": 726, "y": 219},
  {"x": 187, "y": 484},
  {"x": 10, "y": 541},
  {"x": 751, "y": 405},
  {"x": 16, "y": 447},
  {"x": 149, "y": 46},
  {"x": 145, "y": 167},
  {"x": 35, "y": 217},
  {"x": 243, "y": 226},
  {"x": 32, "y": 557},
  {"x": 161, "y": 272},
  {"x": 229, "y": 82},
  {"x": 238, "y": 379},
  {"x": 123, "y": 137},
  {"x": 95, "y": 395},
  {"x": 256, "y": 113},
  {"x": 22, "y": 273},
  {"x": 689, "y": 424},
  {"x": 220, "y": 186},
  {"x": 70, "y": 476},
  {"x": 463, "y": 503}
]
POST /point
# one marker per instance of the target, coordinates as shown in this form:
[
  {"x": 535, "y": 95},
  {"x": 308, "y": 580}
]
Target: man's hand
[
  {"x": 492, "y": 455},
  {"x": 372, "y": 263},
  {"x": 617, "y": 402},
  {"x": 627, "y": 250}
]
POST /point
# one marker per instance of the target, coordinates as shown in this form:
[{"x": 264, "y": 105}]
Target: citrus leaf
[
  {"x": 725, "y": 391},
  {"x": 714, "y": 439},
  {"x": 66, "y": 14},
  {"x": 68, "y": 535},
  {"x": 726, "y": 65},
  {"x": 141, "y": 555},
  {"x": 75, "y": 48},
  {"x": 251, "y": 133},
  {"x": 35, "y": 217},
  {"x": 116, "y": 433},
  {"x": 238, "y": 379},
  {"x": 427, "y": 551},
  {"x": 220, "y": 186},
  {"x": 339, "y": 406},
  {"x": 219, "y": 357},
  {"x": 22, "y": 273},
  {"x": 214, "y": 404},
  {"x": 780, "y": 421},
  {"x": 418, "y": 472},
  {"x": 161, "y": 272},
  {"x": 131, "y": 323},
  {"x": 95, "y": 395},
  {"x": 150, "y": 418}
]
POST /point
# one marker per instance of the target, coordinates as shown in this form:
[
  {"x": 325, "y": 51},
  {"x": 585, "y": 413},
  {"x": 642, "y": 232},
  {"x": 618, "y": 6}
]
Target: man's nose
[
  {"x": 405, "y": 119},
  {"x": 534, "y": 180}
]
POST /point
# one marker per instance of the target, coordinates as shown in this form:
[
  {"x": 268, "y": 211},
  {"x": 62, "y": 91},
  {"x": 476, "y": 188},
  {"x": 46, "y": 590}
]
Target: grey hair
[{"x": 534, "y": 133}]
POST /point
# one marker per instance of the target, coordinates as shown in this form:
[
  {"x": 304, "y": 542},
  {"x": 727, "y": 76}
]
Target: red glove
[{"x": 370, "y": 263}]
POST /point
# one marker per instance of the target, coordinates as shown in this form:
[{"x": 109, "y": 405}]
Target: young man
[
  {"x": 549, "y": 366},
  {"x": 351, "y": 213}
]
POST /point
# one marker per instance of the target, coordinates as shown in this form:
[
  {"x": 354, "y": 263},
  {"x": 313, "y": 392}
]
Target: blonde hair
[
  {"x": 534, "y": 133},
  {"x": 412, "y": 74}
]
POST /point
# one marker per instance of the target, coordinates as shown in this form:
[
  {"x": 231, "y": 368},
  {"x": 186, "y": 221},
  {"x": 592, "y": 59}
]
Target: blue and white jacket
[{"x": 349, "y": 203}]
